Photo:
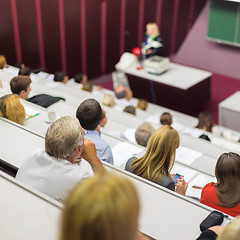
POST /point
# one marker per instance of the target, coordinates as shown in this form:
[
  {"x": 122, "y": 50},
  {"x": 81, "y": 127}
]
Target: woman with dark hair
[
  {"x": 225, "y": 194},
  {"x": 205, "y": 121}
]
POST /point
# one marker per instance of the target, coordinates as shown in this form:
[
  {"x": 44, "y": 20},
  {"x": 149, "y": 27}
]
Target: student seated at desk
[
  {"x": 130, "y": 109},
  {"x": 57, "y": 169},
  {"x": 123, "y": 92},
  {"x": 89, "y": 114},
  {"x": 225, "y": 194},
  {"x": 3, "y": 62},
  {"x": 21, "y": 85},
  {"x": 142, "y": 104},
  {"x": 205, "y": 121},
  {"x": 158, "y": 160},
  {"x": 25, "y": 71},
  {"x": 12, "y": 109},
  {"x": 166, "y": 119},
  {"x": 143, "y": 133},
  {"x": 88, "y": 86},
  {"x": 80, "y": 78},
  {"x": 104, "y": 207},
  {"x": 108, "y": 100},
  {"x": 61, "y": 77}
]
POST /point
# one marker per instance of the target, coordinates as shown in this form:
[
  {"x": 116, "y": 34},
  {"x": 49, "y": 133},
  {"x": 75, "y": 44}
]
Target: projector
[{"x": 156, "y": 65}]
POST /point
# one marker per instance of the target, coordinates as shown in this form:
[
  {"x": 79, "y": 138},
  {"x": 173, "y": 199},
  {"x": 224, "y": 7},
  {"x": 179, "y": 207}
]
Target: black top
[
  {"x": 207, "y": 235},
  {"x": 155, "y": 51},
  {"x": 165, "y": 180}
]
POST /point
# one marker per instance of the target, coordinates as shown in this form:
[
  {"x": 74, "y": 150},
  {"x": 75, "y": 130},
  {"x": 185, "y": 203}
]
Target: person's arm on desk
[
  {"x": 211, "y": 233},
  {"x": 90, "y": 155}
]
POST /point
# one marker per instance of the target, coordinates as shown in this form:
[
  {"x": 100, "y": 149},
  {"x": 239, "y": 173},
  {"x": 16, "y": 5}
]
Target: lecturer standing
[{"x": 152, "y": 42}]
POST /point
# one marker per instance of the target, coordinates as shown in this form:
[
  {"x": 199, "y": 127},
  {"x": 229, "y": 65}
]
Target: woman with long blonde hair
[
  {"x": 3, "y": 61},
  {"x": 12, "y": 109},
  {"x": 158, "y": 160},
  {"x": 103, "y": 207}
]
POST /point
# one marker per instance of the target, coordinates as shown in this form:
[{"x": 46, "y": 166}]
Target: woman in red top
[{"x": 225, "y": 194}]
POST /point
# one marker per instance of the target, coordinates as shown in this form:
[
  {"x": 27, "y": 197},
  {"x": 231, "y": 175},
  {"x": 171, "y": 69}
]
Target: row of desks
[{"x": 154, "y": 212}]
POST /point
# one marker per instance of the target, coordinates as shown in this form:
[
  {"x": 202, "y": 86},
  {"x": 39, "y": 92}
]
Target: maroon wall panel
[
  {"x": 7, "y": 46},
  {"x": 28, "y": 32},
  {"x": 198, "y": 7},
  {"x": 73, "y": 36},
  {"x": 95, "y": 38},
  {"x": 50, "y": 21},
  {"x": 149, "y": 12},
  {"x": 131, "y": 26},
  {"x": 166, "y": 25},
  {"x": 182, "y": 22},
  {"x": 113, "y": 31},
  {"x": 93, "y": 28}
]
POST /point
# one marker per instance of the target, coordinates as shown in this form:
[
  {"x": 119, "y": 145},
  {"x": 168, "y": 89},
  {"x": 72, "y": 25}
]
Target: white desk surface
[
  {"x": 201, "y": 145},
  {"x": 75, "y": 96},
  {"x": 163, "y": 210},
  {"x": 232, "y": 102},
  {"x": 36, "y": 216},
  {"x": 26, "y": 216},
  {"x": 178, "y": 76},
  {"x": 17, "y": 143}
]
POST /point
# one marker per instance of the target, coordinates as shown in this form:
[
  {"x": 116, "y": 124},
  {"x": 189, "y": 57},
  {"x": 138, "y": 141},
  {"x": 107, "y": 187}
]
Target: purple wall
[
  {"x": 199, "y": 52},
  {"x": 87, "y": 35}
]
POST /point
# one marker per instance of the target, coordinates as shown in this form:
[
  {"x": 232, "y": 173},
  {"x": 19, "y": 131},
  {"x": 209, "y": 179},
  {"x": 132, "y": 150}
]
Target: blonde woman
[
  {"x": 12, "y": 109},
  {"x": 103, "y": 207},
  {"x": 142, "y": 104},
  {"x": 158, "y": 160},
  {"x": 3, "y": 62},
  {"x": 152, "y": 42},
  {"x": 108, "y": 100}
]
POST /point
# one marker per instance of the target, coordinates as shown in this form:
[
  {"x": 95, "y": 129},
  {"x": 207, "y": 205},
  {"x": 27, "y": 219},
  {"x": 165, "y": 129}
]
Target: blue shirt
[{"x": 104, "y": 151}]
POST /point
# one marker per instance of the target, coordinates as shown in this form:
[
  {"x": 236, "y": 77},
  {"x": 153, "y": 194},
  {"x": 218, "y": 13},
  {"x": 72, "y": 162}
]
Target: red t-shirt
[{"x": 209, "y": 198}]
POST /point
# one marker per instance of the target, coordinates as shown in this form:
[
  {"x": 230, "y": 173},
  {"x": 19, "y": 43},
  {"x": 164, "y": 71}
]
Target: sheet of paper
[
  {"x": 50, "y": 77},
  {"x": 154, "y": 119},
  {"x": 52, "y": 84},
  {"x": 118, "y": 108},
  {"x": 195, "y": 132},
  {"x": 12, "y": 70},
  {"x": 123, "y": 151},
  {"x": 34, "y": 78},
  {"x": 177, "y": 126},
  {"x": 188, "y": 173},
  {"x": 43, "y": 74},
  {"x": 195, "y": 186},
  {"x": 130, "y": 135},
  {"x": 30, "y": 111},
  {"x": 186, "y": 155}
]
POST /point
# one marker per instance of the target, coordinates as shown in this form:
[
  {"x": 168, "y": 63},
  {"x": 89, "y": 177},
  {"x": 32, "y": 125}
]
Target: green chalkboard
[{"x": 224, "y": 22}]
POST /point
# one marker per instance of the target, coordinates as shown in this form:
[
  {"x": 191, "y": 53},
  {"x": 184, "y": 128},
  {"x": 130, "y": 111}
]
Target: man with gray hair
[
  {"x": 57, "y": 169},
  {"x": 143, "y": 133}
]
